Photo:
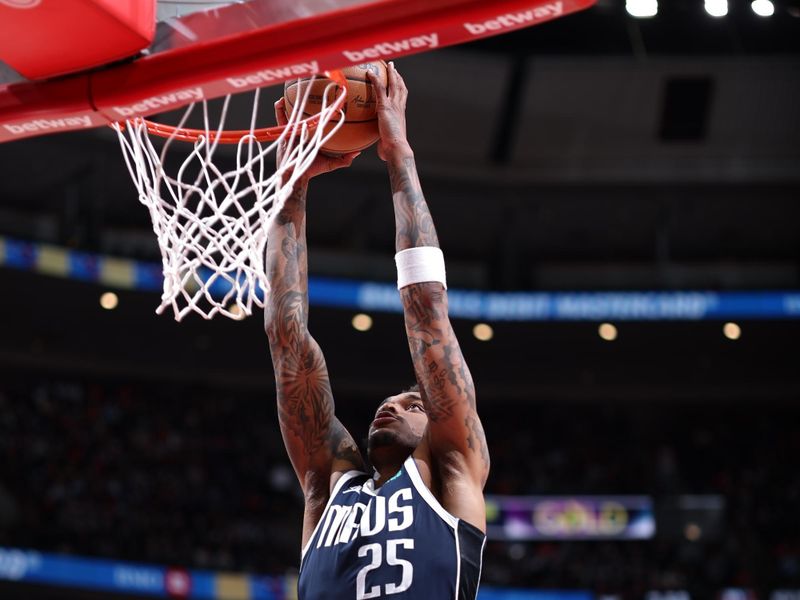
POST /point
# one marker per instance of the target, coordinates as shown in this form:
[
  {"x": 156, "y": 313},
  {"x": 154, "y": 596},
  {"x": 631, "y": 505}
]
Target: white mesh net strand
[{"x": 211, "y": 224}]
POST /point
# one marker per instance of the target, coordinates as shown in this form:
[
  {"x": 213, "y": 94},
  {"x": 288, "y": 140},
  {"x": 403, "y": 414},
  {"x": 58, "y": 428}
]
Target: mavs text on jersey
[{"x": 393, "y": 542}]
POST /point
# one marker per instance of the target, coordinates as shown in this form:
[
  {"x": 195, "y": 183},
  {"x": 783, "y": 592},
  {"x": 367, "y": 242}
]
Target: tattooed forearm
[
  {"x": 312, "y": 434},
  {"x": 413, "y": 222},
  {"x": 304, "y": 400},
  {"x": 445, "y": 382},
  {"x": 304, "y": 396},
  {"x": 476, "y": 442},
  {"x": 289, "y": 271},
  {"x": 438, "y": 362}
]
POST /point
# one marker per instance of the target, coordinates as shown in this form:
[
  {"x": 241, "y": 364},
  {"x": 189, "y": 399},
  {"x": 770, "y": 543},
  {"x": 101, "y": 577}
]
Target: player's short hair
[{"x": 413, "y": 388}]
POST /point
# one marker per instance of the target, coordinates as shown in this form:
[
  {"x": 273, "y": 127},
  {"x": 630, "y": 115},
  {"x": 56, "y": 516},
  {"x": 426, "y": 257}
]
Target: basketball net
[{"x": 211, "y": 224}]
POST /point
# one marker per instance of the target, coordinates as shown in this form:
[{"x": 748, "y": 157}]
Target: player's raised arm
[
  {"x": 317, "y": 443},
  {"x": 455, "y": 433}
]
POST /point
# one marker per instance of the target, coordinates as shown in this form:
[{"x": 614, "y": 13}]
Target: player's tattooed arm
[
  {"x": 446, "y": 384},
  {"x": 317, "y": 443},
  {"x": 445, "y": 381}
]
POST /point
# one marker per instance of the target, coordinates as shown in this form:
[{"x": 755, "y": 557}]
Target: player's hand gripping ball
[{"x": 360, "y": 129}]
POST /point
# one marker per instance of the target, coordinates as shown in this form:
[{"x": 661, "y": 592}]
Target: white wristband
[{"x": 420, "y": 265}]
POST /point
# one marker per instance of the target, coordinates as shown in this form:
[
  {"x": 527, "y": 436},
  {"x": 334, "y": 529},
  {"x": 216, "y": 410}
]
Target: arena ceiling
[{"x": 597, "y": 152}]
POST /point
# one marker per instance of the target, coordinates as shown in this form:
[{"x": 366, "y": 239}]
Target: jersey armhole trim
[
  {"x": 427, "y": 495},
  {"x": 480, "y": 568},
  {"x": 347, "y": 476},
  {"x": 458, "y": 565},
  {"x": 470, "y": 544}
]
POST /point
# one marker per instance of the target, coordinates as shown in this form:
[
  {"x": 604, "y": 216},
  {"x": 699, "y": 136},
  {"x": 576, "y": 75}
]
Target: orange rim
[{"x": 265, "y": 134}]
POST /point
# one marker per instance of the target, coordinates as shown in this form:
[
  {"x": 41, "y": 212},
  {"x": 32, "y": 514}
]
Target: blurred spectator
[{"x": 195, "y": 477}]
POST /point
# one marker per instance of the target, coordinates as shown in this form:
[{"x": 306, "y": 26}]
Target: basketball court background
[{"x": 593, "y": 153}]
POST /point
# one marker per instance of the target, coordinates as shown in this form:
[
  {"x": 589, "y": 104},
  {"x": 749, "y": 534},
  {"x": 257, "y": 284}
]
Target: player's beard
[{"x": 383, "y": 438}]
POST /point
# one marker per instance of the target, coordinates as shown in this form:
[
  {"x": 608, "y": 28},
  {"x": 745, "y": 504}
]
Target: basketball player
[{"x": 414, "y": 529}]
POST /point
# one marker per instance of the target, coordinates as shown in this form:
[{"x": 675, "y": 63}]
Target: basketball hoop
[{"x": 212, "y": 224}]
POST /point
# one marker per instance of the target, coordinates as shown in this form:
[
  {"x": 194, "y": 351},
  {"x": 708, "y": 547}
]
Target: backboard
[{"x": 206, "y": 49}]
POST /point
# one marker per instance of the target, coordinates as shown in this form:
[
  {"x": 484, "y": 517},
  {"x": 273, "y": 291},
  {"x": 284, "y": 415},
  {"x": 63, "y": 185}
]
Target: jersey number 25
[{"x": 376, "y": 561}]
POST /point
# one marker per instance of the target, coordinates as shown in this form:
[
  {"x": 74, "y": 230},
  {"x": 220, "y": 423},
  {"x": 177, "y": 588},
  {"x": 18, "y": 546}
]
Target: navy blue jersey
[{"x": 393, "y": 542}]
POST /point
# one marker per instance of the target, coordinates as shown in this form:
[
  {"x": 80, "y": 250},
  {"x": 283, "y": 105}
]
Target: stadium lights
[
  {"x": 362, "y": 322},
  {"x": 109, "y": 300},
  {"x": 693, "y": 532},
  {"x": 763, "y": 8},
  {"x": 483, "y": 332},
  {"x": 642, "y": 8},
  {"x": 732, "y": 331},
  {"x": 717, "y": 8},
  {"x": 607, "y": 331}
]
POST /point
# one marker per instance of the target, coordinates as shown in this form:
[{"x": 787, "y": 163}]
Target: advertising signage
[{"x": 570, "y": 517}]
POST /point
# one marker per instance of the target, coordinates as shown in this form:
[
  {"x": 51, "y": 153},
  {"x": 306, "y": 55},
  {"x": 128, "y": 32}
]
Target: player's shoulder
[
  {"x": 350, "y": 477},
  {"x": 453, "y": 487}
]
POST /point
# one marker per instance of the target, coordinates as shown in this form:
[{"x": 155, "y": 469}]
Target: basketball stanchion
[{"x": 212, "y": 224}]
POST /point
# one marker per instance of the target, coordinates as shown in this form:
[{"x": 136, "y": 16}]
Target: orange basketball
[{"x": 360, "y": 129}]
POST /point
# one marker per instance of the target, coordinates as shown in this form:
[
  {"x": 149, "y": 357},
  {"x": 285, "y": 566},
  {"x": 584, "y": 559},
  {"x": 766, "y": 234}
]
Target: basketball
[{"x": 360, "y": 129}]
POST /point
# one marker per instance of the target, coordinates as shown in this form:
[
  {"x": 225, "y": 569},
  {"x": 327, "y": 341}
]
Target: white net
[{"x": 211, "y": 223}]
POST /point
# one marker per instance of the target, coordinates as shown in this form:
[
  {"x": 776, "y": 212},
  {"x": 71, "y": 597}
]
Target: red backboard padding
[
  {"x": 267, "y": 53},
  {"x": 47, "y": 38}
]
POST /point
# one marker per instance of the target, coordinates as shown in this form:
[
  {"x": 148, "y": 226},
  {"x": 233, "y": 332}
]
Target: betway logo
[
  {"x": 156, "y": 102},
  {"x": 510, "y": 20},
  {"x": 45, "y": 124},
  {"x": 280, "y": 74},
  {"x": 429, "y": 41}
]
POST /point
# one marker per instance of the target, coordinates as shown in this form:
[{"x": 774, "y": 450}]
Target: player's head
[{"x": 398, "y": 425}]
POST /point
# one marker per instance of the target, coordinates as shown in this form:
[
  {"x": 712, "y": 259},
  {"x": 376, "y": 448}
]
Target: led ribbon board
[{"x": 570, "y": 518}]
